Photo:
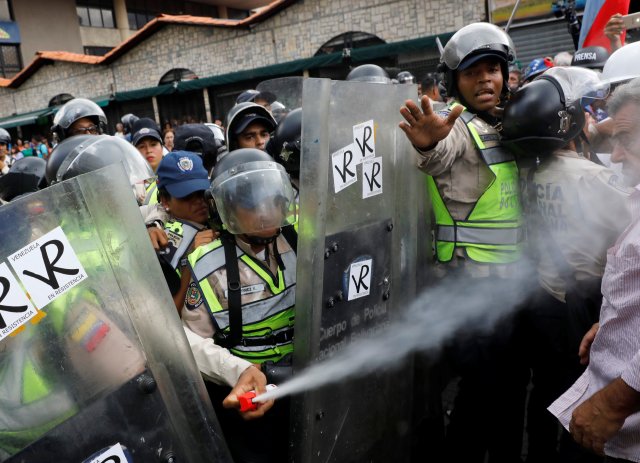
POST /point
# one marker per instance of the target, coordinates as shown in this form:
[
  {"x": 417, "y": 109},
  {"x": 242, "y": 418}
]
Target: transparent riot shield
[
  {"x": 94, "y": 364},
  {"x": 357, "y": 247},
  {"x": 287, "y": 90}
]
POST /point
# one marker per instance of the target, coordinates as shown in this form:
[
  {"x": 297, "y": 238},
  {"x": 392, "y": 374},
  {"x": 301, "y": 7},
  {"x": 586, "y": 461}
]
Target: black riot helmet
[
  {"x": 369, "y": 73},
  {"x": 127, "y": 122},
  {"x": 405, "y": 77},
  {"x": 548, "y": 113},
  {"x": 74, "y": 110},
  {"x": 25, "y": 176},
  {"x": 252, "y": 193},
  {"x": 86, "y": 153},
  {"x": 284, "y": 146},
  {"x": 590, "y": 57},
  {"x": 200, "y": 139},
  {"x": 5, "y": 137},
  {"x": 241, "y": 116},
  {"x": 471, "y": 44}
]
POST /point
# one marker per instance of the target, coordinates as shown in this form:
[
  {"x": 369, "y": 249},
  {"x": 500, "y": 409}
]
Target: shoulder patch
[{"x": 193, "y": 298}]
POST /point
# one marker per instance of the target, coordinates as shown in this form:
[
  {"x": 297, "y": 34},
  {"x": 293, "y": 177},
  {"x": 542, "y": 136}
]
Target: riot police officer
[
  {"x": 249, "y": 125},
  {"x": 243, "y": 290},
  {"x": 472, "y": 179},
  {"x": 572, "y": 202},
  {"x": 79, "y": 117}
]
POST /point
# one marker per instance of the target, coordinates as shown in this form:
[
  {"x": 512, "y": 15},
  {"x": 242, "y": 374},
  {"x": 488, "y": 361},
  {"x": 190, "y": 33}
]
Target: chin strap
[{"x": 260, "y": 241}]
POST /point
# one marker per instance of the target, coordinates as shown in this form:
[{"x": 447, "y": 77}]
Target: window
[
  {"x": 176, "y": 75},
  {"x": 95, "y": 13},
  {"x": 349, "y": 40},
  {"x": 140, "y": 12},
  {"x": 97, "y": 51},
  {"x": 10, "y": 61},
  {"x": 5, "y": 11}
]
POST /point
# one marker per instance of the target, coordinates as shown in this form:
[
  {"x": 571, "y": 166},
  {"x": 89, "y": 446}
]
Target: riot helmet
[
  {"x": 74, "y": 110},
  {"x": 284, "y": 146},
  {"x": 127, "y": 121},
  {"x": 241, "y": 116},
  {"x": 405, "y": 77},
  {"x": 252, "y": 95},
  {"x": 548, "y": 113},
  {"x": 369, "y": 73},
  {"x": 86, "y": 153},
  {"x": 5, "y": 137},
  {"x": 252, "y": 193},
  {"x": 278, "y": 110},
  {"x": 200, "y": 139},
  {"x": 26, "y": 175},
  {"x": 536, "y": 67},
  {"x": 623, "y": 65},
  {"x": 590, "y": 57},
  {"x": 471, "y": 44}
]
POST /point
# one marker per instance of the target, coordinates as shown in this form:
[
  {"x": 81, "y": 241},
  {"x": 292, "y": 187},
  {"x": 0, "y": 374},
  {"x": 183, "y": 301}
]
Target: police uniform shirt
[
  {"x": 584, "y": 207},
  {"x": 462, "y": 176},
  {"x": 195, "y": 314}
]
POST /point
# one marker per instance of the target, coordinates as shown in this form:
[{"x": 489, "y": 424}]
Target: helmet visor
[
  {"x": 254, "y": 197},
  {"x": 579, "y": 84},
  {"x": 476, "y": 38}
]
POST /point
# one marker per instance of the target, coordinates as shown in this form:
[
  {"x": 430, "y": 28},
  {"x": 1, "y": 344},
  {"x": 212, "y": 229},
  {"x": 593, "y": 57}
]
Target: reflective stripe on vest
[
  {"x": 151, "y": 195},
  {"x": 188, "y": 233},
  {"x": 267, "y": 324},
  {"x": 492, "y": 232}
]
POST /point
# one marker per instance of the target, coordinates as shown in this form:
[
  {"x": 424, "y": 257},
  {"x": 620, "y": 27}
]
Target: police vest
[
  {"x": 267, "y": 323},
  {"x": 151, "y": 195},
  {"x": 32, "y": 402},
  {"x": 180, "y": 236},
  {"x": 492, "y": 232}
]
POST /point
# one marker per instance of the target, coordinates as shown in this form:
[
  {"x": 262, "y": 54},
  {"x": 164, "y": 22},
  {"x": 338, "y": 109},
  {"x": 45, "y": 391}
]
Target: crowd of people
[{"x": 532, "y": 176}]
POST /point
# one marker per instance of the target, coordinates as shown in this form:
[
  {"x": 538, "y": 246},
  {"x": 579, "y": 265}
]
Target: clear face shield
[
  {"x": 106, "y": 150},
  {"x": 580, "y": 86},
  {"x": 473, "y": 38},
  {"x": 255, "y": 198}
]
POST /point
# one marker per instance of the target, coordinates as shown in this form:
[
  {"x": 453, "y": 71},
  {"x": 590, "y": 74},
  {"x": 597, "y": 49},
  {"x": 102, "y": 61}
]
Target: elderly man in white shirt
[{"x": 601, "y": 408}]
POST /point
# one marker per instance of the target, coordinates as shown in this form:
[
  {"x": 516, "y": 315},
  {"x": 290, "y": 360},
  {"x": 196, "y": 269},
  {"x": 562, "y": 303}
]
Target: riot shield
[
  {"x": 94, "y": 364},
  {"x": 358, "y": 238},
  {"x": 287, "y": 90}
]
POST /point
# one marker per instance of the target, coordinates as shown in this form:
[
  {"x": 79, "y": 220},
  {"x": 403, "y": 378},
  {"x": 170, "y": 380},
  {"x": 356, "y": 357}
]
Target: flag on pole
[{"x": 596, "y": 16}]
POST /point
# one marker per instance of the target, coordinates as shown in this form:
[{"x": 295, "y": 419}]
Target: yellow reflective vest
[
  {"x": 267, "y": 322},
  {"x": 492, "y": 232}
]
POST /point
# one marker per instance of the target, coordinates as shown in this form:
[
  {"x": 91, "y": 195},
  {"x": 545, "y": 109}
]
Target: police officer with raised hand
[
  {"x": 472, "y": 179},
  {"x": 577, "y": 209},
  {"x": 242, "y": 293}
]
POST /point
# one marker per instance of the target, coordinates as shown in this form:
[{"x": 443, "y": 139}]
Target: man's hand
[
  {"x": 585, "y": 344},
  {"x": 424, "y": 128},
  {"x": 204, "y": 237},
  {"x": 599, "y": 418},
  {"x": 158, "y": 238},
  {"x": 251, "y": 379},
  {"x": 613, "y": 30}
]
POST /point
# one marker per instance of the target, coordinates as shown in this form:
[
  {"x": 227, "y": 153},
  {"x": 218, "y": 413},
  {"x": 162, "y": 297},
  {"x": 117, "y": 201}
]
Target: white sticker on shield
[
  {"x": 48, "y": 267},
  {"x": 113, "y": 454},
  {"x": 360, "y": 279},
  {"x": 371, "y": 177},
  {"x": 364, "y": 141},
  {"x": 344, "y": 168},
  {"x": 15, "y": 307}
]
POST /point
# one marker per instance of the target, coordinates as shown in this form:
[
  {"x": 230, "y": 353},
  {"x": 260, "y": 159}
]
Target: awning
[
  {"x": 29, "y": 118},
  {"x": 358, "y": 55}
]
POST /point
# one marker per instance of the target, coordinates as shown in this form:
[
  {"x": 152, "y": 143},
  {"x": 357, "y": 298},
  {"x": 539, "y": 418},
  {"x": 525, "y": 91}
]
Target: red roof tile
[{"x": 147, "y": 30}]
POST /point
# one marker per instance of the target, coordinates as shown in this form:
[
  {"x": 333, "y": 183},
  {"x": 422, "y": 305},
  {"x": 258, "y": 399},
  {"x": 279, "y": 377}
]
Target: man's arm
[{"x": 599, "y": 418}]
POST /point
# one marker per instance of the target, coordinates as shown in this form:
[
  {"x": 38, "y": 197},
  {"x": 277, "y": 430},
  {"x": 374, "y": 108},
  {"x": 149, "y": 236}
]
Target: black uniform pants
[
  {"x": 552, "y": 355},
  {"x": 488, "y": 411}
]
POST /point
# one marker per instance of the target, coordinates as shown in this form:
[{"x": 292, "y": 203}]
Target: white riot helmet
[{"x": 623, "y": 65}]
